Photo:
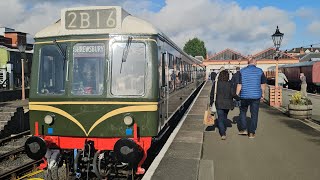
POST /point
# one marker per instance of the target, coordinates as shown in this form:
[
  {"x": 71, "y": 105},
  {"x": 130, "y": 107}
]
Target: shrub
[{"x": 297, "y": 99}]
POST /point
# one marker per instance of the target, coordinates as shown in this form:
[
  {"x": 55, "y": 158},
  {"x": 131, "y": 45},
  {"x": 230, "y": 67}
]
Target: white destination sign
[{"x": 91, "y": 19}]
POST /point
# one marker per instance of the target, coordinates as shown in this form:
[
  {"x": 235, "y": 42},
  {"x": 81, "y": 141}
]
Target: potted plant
[{"x": 300, "y": 107}]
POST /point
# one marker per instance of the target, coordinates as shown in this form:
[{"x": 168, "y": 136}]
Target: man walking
[{"x": 251, "y": 90}]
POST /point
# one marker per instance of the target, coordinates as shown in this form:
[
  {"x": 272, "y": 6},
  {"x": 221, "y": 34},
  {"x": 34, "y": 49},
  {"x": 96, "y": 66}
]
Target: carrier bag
[{"x": 208, "y": 119}]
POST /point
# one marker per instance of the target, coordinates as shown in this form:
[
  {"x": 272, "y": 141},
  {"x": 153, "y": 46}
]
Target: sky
[{"x": 245, "y": 26}]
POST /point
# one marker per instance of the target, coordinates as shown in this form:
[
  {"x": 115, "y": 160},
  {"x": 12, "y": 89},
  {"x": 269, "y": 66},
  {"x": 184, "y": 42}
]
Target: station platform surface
[
  {"x": 16, "y": 103},
  {"x": 284, "y": 148}
]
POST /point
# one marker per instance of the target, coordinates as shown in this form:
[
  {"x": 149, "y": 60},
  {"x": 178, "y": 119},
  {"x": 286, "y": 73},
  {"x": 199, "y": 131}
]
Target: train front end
[{"x": 93, "y": 97}]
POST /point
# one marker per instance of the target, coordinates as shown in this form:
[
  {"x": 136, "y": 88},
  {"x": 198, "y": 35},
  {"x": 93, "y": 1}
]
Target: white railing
[{"x": 3, "y": 76}]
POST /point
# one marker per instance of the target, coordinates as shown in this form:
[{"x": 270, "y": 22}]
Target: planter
[{"x": 300, "y": 111}]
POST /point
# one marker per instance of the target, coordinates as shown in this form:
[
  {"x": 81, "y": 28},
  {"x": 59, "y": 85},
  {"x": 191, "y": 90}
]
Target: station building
[{"x": 231, "y": 59}]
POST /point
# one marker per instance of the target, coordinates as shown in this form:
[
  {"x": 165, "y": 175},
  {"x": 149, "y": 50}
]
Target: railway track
[{"x": 13, "y": 161}]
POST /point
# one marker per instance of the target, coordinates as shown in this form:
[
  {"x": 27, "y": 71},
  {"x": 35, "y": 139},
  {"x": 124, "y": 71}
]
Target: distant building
[
  {"x": 300, "y": 52},
  {"x": 10, "y": 57}
]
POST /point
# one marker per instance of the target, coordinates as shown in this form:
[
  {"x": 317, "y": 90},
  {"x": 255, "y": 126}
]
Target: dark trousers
[
  {"x": 254, "y": 110},
  {"x": 221, "y": 121}
]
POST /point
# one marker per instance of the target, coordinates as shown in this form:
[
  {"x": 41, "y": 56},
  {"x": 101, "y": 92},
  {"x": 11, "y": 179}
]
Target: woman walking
[{"x": 223, "y": 101}]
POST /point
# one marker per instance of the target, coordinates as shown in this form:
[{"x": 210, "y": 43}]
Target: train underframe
[{"x": 91, "y": 157}]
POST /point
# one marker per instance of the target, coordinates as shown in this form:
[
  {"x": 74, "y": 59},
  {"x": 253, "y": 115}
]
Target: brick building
[{"x": 10, "y": 57}]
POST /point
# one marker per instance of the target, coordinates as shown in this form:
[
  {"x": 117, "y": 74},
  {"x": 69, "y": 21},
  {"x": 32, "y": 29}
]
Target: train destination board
[{"x": 91, "y": 19}]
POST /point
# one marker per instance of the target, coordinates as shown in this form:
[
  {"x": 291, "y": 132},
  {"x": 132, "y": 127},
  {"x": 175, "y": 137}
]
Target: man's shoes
[
  {"x": 251, "y": 135},
  {"x": 223, "y": 137},
  {"x": 243, "y": 133}
]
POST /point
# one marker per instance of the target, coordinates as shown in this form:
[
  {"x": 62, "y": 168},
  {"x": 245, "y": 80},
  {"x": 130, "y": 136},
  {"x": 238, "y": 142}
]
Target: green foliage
[
  {"x": 195, "y": 47},
  {"x": 297, "y": 99}
]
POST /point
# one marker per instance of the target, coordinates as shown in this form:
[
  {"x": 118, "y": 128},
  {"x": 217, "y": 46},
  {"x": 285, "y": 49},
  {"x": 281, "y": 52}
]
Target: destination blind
[{"x": 91, "y": 19}]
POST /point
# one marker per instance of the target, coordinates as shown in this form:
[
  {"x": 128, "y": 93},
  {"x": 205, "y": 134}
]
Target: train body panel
[
  {"x": 316, "y": 73},
  {"x": 310, "y": 70}
]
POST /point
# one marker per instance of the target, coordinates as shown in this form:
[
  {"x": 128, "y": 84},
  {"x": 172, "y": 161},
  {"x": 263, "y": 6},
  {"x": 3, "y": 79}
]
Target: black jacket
[
  {"x": 213, "y": 76},
  {"x": 236, "y": 78},
  {"x": 225, "y": 94}
]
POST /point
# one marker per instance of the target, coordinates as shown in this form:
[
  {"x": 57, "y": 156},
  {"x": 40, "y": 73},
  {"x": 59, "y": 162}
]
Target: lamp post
[
  {"x": 22, "y": 48},
  {"x": 277, "y": 38}
]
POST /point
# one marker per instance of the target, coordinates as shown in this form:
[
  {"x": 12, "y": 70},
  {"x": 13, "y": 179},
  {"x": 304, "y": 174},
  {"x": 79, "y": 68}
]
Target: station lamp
[
  {"x": 277, "y": 38},
  {"x": 21, "y": 45}
]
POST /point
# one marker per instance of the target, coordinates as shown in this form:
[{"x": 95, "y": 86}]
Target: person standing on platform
[
  {"x": 250, "y": 89},
  {"x": 235, "y": 81},
  {"x": 213, "y": 76},
  {"x": 224, "y": 100},
  {"x": 303, "y": 88},
  {"x": 282, "y": 78}
]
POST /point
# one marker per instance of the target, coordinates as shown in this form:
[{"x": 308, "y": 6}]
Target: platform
[{"x": 284, "y": 148}]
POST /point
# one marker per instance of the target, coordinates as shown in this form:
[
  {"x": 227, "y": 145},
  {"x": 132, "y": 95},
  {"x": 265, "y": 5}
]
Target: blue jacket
[{"x": 251, "y": 79}]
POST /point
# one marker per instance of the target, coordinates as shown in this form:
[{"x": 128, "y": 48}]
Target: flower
[{"x": 297, "y": 99}]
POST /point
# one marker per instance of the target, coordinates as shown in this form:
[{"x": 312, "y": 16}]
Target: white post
[{"x": 23, "y": 97}]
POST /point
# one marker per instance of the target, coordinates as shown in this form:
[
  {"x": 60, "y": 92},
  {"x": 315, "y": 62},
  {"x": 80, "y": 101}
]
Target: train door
[{"x": 164, "y": 88}]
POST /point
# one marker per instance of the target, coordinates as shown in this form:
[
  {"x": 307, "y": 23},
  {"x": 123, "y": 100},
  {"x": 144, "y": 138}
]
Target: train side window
[
  {"x": 128, "y": 69},
  {"x": 88, "y": 69},
  {"x": 52, "y": 71}
]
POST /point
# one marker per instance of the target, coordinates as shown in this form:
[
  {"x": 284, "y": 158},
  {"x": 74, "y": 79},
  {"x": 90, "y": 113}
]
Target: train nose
[
  {"x": 35, "y": 148},
  {"x": 127, "y": 151}
]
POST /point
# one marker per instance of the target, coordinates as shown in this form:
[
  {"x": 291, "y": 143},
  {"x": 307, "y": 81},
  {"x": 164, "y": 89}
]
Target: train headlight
[
  {"x": 48, "y": 119},
  {"x": 128, "y": 120}
]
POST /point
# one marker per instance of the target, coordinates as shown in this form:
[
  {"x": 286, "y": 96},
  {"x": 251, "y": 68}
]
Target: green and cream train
[{"x": 103, "y": 85}]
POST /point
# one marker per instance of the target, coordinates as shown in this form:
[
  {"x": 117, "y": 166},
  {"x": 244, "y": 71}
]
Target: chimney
[
  {"x": 16, "y": 37},
  {"x": 301, "y": 50}
]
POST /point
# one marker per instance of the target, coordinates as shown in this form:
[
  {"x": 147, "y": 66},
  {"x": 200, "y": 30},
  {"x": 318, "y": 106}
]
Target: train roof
[
  {"x": 305, "y": 63},
  {"x": 125, "y": 23}
]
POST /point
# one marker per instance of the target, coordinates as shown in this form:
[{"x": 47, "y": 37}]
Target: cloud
[
  {"x": 220, "y": 24},
  {"x": 306, "y": 13},
  {"x": 314, "y": 28}
]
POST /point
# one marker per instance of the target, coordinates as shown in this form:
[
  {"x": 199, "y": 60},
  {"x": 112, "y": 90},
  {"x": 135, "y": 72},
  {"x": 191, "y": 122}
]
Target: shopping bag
[{"x": 208, "y": 119}]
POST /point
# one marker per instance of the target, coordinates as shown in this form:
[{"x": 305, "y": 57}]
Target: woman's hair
[{"x": 223, "y": 76}]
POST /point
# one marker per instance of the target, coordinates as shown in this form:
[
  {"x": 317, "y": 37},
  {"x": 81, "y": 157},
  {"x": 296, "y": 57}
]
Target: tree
[{"x": 195, "y": 47}]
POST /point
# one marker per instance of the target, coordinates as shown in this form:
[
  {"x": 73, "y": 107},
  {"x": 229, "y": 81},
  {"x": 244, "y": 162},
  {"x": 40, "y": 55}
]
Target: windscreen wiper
[
  {"x": 63, "y": 53},
  {"x": 125, "y": 52},
  {"x": 60, "y": 50}
]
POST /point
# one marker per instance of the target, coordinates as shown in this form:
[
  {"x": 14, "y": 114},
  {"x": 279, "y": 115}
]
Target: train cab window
[
  {"x": 88, "y": 69},
  {"x": 128, "y": 69},
  {"x": 52, "y": 71}
]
